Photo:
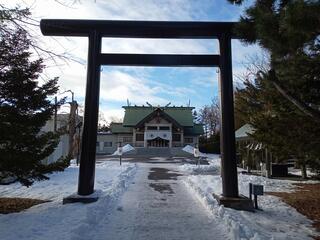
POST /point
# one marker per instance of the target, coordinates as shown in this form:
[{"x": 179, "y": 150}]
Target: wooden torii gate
[{"x": 95, "y": 30}]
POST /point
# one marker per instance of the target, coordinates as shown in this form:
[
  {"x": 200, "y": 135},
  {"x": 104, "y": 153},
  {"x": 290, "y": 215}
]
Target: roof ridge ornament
[
  {"x": 167, "y": 105},
  {"x": 149, "y": 104}
]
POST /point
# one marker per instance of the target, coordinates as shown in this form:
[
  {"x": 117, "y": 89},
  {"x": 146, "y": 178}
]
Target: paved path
[{"x": 157, "y": 205}]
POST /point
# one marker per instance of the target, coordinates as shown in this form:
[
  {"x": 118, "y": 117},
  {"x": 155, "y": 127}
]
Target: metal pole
[
  {"x": 250, "y": 191},
  {"x": 89, "y": 136},
  {"x": 255, "y": 201},
  {"x": 120, "y": 154},
  {"x": 228, "y": 150}
]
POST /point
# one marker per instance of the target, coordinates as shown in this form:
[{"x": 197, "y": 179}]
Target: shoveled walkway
[{"x": 157, "y": 205}]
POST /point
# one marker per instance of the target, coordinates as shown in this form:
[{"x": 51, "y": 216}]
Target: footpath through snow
[{"x": 158, "y": 206}]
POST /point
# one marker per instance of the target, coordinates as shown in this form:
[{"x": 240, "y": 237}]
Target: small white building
[{"x": 62, "y": 123}]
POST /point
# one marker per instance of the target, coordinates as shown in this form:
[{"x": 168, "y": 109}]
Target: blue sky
[{"x": 158, "y": 86}]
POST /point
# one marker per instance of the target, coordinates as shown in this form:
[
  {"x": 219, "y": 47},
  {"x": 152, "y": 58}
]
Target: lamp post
[
  {"x": 120, "y": 152},
  {"x": 196, "y": 153}
]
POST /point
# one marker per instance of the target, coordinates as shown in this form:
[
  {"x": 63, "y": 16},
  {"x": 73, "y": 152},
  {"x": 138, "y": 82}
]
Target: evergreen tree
[
  {"x": 283, "y": 102},
  {"x": 24, "y": 110},
  {"x": 240, "y": 118},
  {"x": 278, "y": 125}
]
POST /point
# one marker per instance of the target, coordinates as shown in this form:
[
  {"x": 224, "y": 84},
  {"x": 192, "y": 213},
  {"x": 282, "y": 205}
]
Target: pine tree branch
[{"x": 302, "y": 106}]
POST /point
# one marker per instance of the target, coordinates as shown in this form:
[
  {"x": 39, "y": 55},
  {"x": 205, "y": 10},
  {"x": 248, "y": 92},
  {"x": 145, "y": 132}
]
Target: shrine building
[{"x": 150, "y": 127}]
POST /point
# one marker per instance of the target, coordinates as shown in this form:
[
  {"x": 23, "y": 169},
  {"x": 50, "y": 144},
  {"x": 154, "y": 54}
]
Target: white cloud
[
  {"x": 168, "y": 46},
  {"x": 144, "y": 9},
  {"x": 120, "y": 86}
]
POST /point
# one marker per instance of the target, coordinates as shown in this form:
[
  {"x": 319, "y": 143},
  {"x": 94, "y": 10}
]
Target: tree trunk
[
  {"x": 268, "y": 164},
  {"x": 249, "y": 161},
  {"x": 303, "y": 170}
]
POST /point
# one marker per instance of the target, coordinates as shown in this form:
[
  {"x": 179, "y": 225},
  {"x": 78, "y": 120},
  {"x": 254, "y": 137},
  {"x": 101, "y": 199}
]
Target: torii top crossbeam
[{"x": 137, "y": 29}]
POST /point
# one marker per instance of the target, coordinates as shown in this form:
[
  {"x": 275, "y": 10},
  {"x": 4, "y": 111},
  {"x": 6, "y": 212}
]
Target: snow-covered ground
[
  {"x": 277, "y": 220},
  {"x": 298, "y": 172},
  {"x": 78, "y": 221},
  {"x": 53, "y": 220}
]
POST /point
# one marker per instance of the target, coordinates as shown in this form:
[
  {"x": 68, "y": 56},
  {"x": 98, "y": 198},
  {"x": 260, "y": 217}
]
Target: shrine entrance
[
  {"x": 95, "y": 30},
  {"x": 158, "y": 143}
]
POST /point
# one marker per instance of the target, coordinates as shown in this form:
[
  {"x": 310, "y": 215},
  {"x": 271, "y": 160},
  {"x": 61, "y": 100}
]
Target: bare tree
[
  {"x": 210, "y": 117},
  {"x": 18, "y": 18}
]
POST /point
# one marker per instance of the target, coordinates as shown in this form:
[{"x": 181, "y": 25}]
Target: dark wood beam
[
  {"x": 159, "y": 60},
  {"x": 136, "y": 29},
  {"x": 227, "y": 134},
  {"x": 90, "y": 124}
]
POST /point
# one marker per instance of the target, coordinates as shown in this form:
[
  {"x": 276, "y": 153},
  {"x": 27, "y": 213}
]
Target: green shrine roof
[
  {"x": 197, "y": 129},
  {"x": 119, "y": 128},
  {"x": 137, "y": 114},
  {"x": 134, "y": 114}
]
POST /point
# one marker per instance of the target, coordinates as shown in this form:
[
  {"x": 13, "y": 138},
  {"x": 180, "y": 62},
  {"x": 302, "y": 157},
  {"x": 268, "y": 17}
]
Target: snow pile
[
  {"x": 277, "y": 220},
  {"x": 190, "y": 149},
  {"x": 62, "y": 184},
  {"x": 73, "y": 161},
  {"x": 212, "y": 168},
  {"x": 299, "y": 173},
  {"x": 126, "y": 148},
  {"x": 97, "y": 214},
  {"x": 193, "y": 168},
  {"x": 53, "y": 220}
]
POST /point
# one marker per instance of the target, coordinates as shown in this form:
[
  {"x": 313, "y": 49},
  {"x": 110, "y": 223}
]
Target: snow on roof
[{"x": 244, "y": 131}]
